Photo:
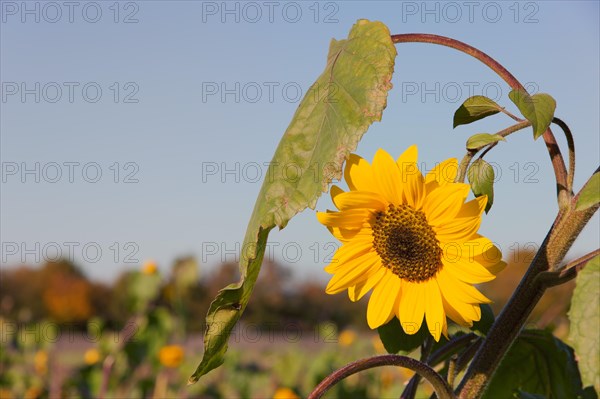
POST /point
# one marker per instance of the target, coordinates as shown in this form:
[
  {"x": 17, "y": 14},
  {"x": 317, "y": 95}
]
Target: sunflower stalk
[
  {"x": 567, "y": 226},
  {"x": 506, "y": 328}
]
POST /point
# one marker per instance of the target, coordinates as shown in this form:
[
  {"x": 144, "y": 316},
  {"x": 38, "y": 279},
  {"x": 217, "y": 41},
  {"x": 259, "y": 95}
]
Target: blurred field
[{"x": 63, "y": 336}]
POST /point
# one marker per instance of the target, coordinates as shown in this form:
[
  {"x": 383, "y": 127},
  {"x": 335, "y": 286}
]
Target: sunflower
[{"x": 412, "y": 240}]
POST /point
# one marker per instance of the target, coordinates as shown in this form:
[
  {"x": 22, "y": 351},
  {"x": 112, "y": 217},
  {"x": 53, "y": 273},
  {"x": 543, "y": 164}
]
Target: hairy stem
[
  {"x": 511, "y": 320},
  {"x": 439, "y": 385},
  {"x": 569, "y": 272}
]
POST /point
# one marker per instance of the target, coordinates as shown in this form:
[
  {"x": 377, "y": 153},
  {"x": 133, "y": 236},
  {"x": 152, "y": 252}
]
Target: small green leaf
[
  {"x": 337, "y": 110},
  {"x": 585, "y": 319},
  {"x": 481, "y": 176},
  {"x": 537, "y": 109},
  {"x": 395, "y": 340},
  {"x": 475, "y": 108},
  {"x": 537, "y": 363},
  {"x": 480, "y": 140},
  {"x": 487, "y": 319},
  {"x": 590, "y": 193}
]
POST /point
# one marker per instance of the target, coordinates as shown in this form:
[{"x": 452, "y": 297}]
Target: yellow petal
[
  {"x": 360, "y": 199},
  {"x": 472, "y": 208},
  {"x": 497, "y": 268},
  {"x": 412, "y": 306},
  {"x": 469, "y": 272},
  {"x": 350, "y": 219},
  {"x": 334, "y": 192},
  {"x": 359, "y": 290},
  {"x": 463, "y": 292},
  {"x": 346, "y": 235},
  {"x": 359, "y": 175},
  {"x": 408, "y": 157},
  {"x": 443, "y": 203},
  {"x": 458, "y": 230},
  {"x": 387, "y": 176},
  {"x": 381, "y": 303},
  {"x": 353, "y": 272},
  {"x": 462, "y": 314},
  {"x": 348, "y": 251},
  {"x": 443, "y": 173},
  {"x": 434, "y": 309},
  {"x": 413, "y": 189}
]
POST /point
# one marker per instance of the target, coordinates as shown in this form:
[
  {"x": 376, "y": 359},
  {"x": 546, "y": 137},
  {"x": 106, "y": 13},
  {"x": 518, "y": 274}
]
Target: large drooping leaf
[
  {"x": 336, "y": 111},
  {"x": 585, "y": 322},
  {"x": 538, "y": 109},
  {"x": 537, "y": 363}
]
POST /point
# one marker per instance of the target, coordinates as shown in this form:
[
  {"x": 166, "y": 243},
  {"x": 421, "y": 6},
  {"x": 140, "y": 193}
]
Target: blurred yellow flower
[
  {"x": 5, "y": 394},
  {"x": 346, "y": 338},
  {"x": 149, "y": 267},
  {"x": 285, "y": 393},
  {"x": 91, "y": 356},
  {"x": 33, "y": 393},
  {"x": 406, "y": 374},
  {"x": 378, "y": 345},
  {"x": 171, "y": 355},
  {"x": 40, "y": 362},
  {"x": 388, "y": 376}
]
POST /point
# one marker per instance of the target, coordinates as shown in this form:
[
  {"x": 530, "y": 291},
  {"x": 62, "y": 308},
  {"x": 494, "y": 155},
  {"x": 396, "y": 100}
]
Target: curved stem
[
  {"x": 514, "y": 117},
  {"x": 558, "y": 163},
  {"x": 465, "y": 48},
  {"x": 439, "y": 385},
  {"x": 463, "y": 165},
  {"x": 509, "y": 130},
  {"x": 411, "y": 388},
  {"x": 571, "y": 145}
]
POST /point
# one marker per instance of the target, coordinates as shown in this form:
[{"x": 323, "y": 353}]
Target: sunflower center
[{"x": 406, "y": 243}]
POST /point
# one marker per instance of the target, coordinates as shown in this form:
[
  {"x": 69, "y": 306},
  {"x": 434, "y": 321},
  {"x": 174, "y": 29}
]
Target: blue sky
[{"x": 179, "y": 104}]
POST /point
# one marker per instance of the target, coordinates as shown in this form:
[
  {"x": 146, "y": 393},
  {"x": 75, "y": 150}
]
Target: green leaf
[
  {"x": 475, "y": 108},
  {"x": 484, "y": 324},
  {"x": 537, "y": 109},
  {"x": 585, "y": 319},
  {"x": 537, "y": 363},
  {"x": 481, "y": 177},
  {"x": 336, "y": 111},
  {"x": 395, "y": 340},
  {"x": 479, "y": 140},
  {"x": 590, "y": 193}
]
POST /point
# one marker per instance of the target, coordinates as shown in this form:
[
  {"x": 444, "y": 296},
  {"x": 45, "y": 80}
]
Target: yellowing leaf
[{"x": 337, "y": 110}]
